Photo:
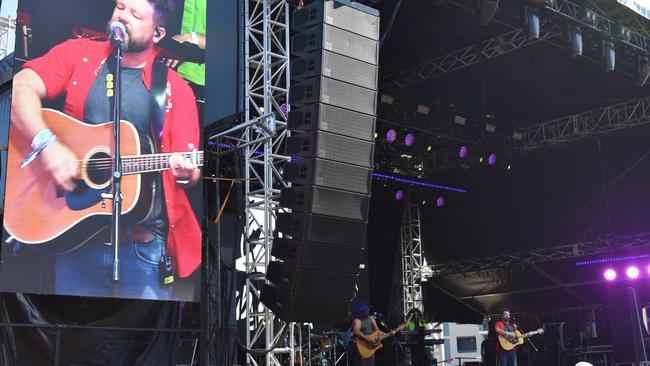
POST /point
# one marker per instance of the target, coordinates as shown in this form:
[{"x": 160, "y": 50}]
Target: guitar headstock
[{"x": 540, "y": 331}]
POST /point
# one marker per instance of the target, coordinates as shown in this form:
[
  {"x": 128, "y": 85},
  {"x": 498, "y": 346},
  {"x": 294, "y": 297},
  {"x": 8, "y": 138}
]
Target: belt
[{"x": 139, "y": 234}]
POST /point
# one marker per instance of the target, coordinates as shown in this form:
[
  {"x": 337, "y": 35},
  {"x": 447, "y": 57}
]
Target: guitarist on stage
[
  {"x": 364, "y": 325},
  {"x": 505, "y": 327},
  {"x": 79, "y": 70}
]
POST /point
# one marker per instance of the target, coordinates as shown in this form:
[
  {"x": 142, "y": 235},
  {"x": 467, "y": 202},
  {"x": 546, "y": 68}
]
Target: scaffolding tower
[
  {"x": 266, "y": 94},
  {"x": 414, "y": 266}
]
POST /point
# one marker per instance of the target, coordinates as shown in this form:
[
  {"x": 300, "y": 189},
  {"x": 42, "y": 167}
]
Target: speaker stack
[{"x": 333, "y": 100}]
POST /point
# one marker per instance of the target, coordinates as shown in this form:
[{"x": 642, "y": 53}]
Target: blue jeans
[
  {"x": 88, "y": 271},
  {"x": 507, "y": 358}
]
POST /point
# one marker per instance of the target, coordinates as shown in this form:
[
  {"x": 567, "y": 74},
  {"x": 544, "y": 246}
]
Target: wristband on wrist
[
  {"x": 40, "y": 141},
  {"x": 195, "y": 38}
]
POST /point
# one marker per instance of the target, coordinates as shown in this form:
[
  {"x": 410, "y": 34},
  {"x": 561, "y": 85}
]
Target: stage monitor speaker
[
  {"x": 335, "y": 66},
  {"x": 325, "y": 201},
  {"x": 300, "y": 282},
  {"x": 328, "y": 118},
  {"x": 330, "y": 174},
  {"x": 326, "y": 37},
  {"x": 344, "y": 14},
  {"x": 625, "y": 325},
  {"x": 322, "y": 229},
  {"x": 300, "y": 309},
  {"x": 336, "y": 93},
  {"x": 318, "y": 256},
  {"x": 315, "y": 144}
]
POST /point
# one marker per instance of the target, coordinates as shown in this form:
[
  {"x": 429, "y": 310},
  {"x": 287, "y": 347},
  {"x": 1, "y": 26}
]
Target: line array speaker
[{"x": 333, "y": 99}]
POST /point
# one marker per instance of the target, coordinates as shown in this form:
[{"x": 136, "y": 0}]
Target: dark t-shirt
[{"x": 135, "y": 108}]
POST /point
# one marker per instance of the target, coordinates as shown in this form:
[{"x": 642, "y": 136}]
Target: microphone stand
[
  {"x": 534, "y": 347},
  {"x": 117, "y": 161}
]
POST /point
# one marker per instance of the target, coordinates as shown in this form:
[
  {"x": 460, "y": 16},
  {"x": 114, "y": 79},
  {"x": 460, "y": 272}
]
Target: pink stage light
[
  {"x": 632, "y": 272},
  {"x": 610, "y": 275}
]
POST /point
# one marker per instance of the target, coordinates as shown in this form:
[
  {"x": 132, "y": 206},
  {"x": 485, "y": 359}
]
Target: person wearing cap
[{"x": 363, "y": 325}]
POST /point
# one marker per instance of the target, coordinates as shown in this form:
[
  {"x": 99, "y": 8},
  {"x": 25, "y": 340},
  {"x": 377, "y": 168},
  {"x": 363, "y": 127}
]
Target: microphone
[{"x": 117, "y": 32}]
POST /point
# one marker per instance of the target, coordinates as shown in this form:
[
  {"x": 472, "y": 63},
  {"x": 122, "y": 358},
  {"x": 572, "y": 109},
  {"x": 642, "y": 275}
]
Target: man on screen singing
[{"x": 80, "y": 69}]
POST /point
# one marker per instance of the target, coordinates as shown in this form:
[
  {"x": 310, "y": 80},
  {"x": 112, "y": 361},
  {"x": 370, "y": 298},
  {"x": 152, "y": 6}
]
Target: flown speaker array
[{"x": 333, "y": 100}]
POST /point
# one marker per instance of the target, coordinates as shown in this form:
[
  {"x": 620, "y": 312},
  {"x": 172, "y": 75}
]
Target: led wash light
[
  {"x": 632, "y": 272},
  {"x": 610, "y": 275}
]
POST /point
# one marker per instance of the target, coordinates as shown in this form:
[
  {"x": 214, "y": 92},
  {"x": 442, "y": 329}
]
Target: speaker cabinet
[
  {"x": 328, "y": 118},
  {"x": 322, "y": 229}
]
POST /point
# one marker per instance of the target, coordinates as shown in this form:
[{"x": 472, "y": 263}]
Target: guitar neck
[{"x": 137, "y": 164}]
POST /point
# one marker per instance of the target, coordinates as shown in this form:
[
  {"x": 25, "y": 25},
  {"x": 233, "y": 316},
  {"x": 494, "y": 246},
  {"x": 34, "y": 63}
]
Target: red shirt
[
  {"x": 502, "y": 325},
  {"x": 72, "y": 66}
]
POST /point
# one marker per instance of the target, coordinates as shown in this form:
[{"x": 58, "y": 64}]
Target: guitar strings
[{"x": 132, "y": 161}]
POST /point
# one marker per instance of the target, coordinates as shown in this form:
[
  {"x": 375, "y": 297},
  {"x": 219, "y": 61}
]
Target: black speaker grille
[
  {"x": 337, "y": 67},
  {"x": 326, "y": 173},
  {"x": 336, "y": 40},
  {"x": 333, "y": 147},
  {"x": 311, "y": 283},
  {"x": 317, "y": 256},
  {"x": 299, "y": 309},
  {"x": 332, "y": 119},
  {"x": 336, "y": 93},
  {"x": 364, "y": 22},
  {"x": 325, "y": 201},
  {"x": 323, "y": 229}
]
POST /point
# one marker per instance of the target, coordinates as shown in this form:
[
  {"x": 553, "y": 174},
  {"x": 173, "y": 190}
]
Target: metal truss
[
  {"x": 7, "y": 28},
  {"x": 599, "y": 121},
  {"x": 516, "y": 39},
  {"x": 267, "y": 76},
  {"x": 412, "y": 258},
  {"x": 600, "y": 246},
  {"x": 464, "y": 57}
]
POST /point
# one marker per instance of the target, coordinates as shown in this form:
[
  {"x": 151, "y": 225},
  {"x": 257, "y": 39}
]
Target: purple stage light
[
  {"x": 609, "y": 274},
  {"x": 632, "y": 272},
  {"x": 409, "y": 139},
  {"x": 440, "y": 201},
  {"x": 492, "y": 159},
  {"x": 463, "y": 152},
  {"x": 284, "y": 108},
  {"x": 399, "y": 195},
  {"x": 391, "y": 135}
]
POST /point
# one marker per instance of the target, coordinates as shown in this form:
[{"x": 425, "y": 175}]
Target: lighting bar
[
  {"x": 613, "y": 259},
  {"x": 414, "y": 182}
]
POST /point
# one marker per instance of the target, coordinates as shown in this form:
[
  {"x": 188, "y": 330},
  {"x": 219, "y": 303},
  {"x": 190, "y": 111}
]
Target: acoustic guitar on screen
[
  {"x": 508, "y": 343},
  {"x": 38, "y": 212}
]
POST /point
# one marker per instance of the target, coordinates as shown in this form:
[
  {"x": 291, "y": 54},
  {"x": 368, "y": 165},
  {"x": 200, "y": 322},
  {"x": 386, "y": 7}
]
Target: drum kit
[{"x": 327, "y": 348}]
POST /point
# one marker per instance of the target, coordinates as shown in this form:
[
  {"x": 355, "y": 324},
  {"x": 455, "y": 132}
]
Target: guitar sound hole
[{"x": 99, "y": 168}]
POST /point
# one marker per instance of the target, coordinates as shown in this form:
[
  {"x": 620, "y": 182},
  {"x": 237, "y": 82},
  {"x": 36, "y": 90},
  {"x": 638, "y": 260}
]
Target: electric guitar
[
  {"x": 38, "y": 212},
  {"x": 367, "y": 349},
  {"x": 508, "y": 343}
]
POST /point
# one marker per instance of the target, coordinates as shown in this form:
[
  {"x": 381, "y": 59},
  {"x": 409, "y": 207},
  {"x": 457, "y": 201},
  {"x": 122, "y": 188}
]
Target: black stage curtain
[{"x": 38, "y": 346}]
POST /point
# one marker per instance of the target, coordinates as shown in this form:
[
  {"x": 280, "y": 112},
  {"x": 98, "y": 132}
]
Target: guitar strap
[{"x": 158, "y": 98}]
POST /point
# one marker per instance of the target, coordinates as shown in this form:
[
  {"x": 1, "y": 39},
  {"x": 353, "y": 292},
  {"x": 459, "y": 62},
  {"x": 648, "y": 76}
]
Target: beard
[{"x": 132, "y": 44}]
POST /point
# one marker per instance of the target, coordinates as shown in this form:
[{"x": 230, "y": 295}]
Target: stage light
[
  {"x": 575, "y": 39},
  {"x": 490, "y": 128},
  {"x": 480, "y": 160},
  {"x": 409, "y": 139},
  {"x": 387, "y": 99},
  {"x": 399, "y": 195},
  {"x": 531, "y": 19},
  {"x": 609, "y": 55},
  {"x": 492, "y": 159},
  {"x": 423, "y": 109},
  {"x": 632, "y": 272},
  {"x": 463, "y": 152},
  {"x": 609, "y": 274},
  {"x": 391, "y": 135},
  {"x": 429, "y": 148},
  {"x": 376, "y": 135},
  {"x": 486, "y": 11},
  {"x": 424, "y": 203},
  {"x": 509, "y": 167},
  {"x": 460, "y": 120},
  {"x": 648, "y": 269},
  {"x": 517, "y": 136},
  {"x": 644, "y": 71},
  {"x": 284, "y": 109},
  {"x": 440, "y": 201}
]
